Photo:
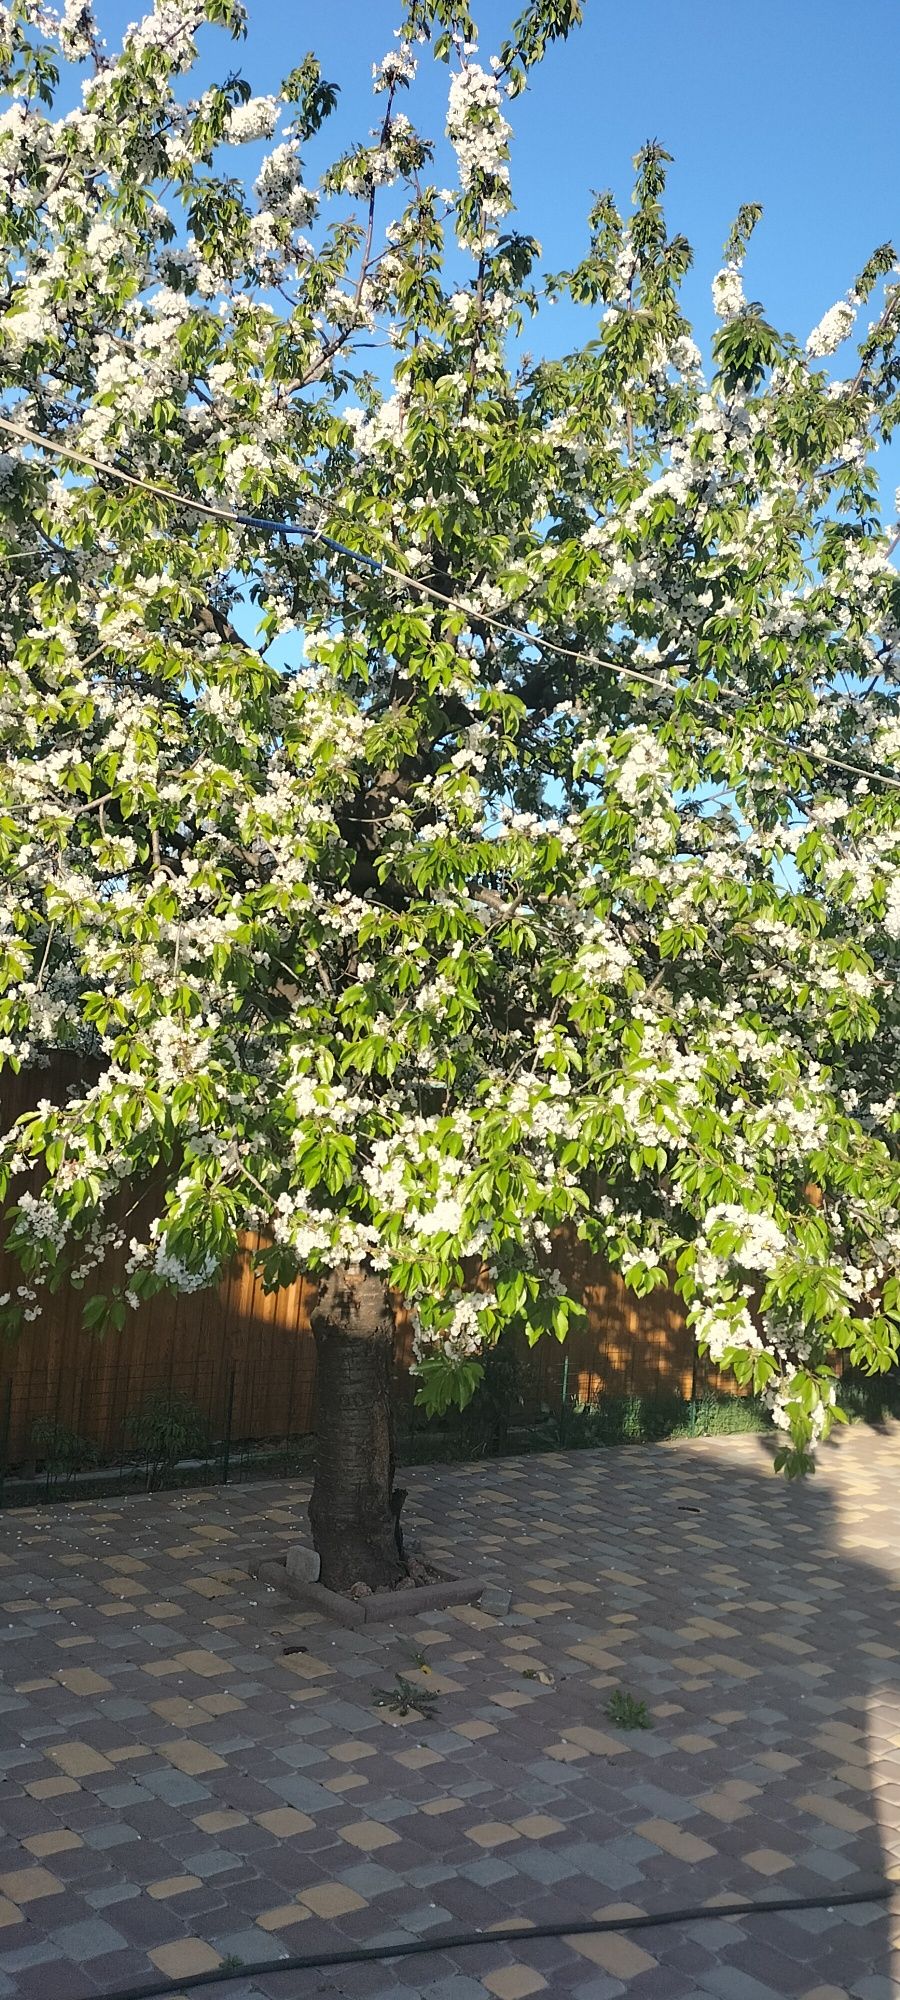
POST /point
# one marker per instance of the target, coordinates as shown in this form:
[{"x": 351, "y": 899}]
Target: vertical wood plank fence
[{"x": 246, "y": 1360}]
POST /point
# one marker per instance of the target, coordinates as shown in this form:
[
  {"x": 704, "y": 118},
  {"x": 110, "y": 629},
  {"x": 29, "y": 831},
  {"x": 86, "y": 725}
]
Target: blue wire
[{"x": 302, "y": 528}]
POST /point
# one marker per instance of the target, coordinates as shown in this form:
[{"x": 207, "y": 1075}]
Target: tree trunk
[{"x": 354, "y": 1523}]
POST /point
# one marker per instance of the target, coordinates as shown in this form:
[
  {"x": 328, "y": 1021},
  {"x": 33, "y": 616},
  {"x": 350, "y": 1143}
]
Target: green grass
[
  {"x": 404, "y": 1698},
  {"x": 626, "y": 1712}
]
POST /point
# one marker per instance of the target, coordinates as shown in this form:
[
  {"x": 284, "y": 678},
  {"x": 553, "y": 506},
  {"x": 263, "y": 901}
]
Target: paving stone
[
  {"x": 253, "y": 1946},
  {"x": 91, "y": 1939},
  {"x": 175, "y": 1788},
  {"x": 456, "y": 1987},
  {"x": 730, "y": 1984},
  {"x": 758, "y": 1622},
  {"x": 110, "y": 1834}
]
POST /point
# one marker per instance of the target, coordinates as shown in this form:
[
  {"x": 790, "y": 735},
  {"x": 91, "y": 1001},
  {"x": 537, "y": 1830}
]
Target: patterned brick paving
[{"x": 195, "y": 1773}]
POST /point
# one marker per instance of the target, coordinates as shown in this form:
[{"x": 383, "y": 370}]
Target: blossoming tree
[{"x": 507, "y": 846}]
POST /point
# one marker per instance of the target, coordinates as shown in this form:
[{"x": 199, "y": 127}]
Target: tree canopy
[{"x": 450, "y": 798}]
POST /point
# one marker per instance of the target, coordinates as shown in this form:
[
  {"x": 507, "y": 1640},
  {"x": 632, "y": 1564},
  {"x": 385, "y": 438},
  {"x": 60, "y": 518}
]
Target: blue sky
[{"x": 792, "y": 103}]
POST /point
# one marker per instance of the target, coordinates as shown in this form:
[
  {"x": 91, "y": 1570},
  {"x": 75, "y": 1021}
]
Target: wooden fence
[{"x": 247, "y": 1359}]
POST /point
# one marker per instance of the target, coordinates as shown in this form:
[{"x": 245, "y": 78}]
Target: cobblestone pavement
[{"x": 196, "y": 1774}]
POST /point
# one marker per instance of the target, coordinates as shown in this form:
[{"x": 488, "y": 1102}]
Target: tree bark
[{"x": 354, "y": 1524}]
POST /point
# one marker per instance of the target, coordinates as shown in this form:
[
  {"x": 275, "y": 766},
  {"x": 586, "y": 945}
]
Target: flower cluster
[
  {"x": 833, "y": 329},
  {"x": 256, "y": 119},
  {"x": 479, "y": 135}
]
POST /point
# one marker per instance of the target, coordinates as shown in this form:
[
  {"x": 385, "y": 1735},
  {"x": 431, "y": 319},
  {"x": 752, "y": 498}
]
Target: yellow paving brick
[
  {"x": 513, "y": 1982},
  {"x": 58, "y": 1841},
  {"x": 305, "y": 1666},
  {"x": 284, "y": 1821},
  {"x": 180, "y": 1713},
  {"x": 332, "y": 1899},
  {"x": 693, "y": 1744},
  {"x": 51, "y": 1788},
  {"x": 768, "y": 1861},
  {"x": 493, "y": 1833},
  {"x": 351, "y": 1781},
  {"x": 185, "y": 1957},
  {"x": 219, "y": 1704},
  {"x": 596, "y": 1741},
  {"x": 855, "y": 1775},
  {"x": 673, "y": 1840},
  {"x": 28, "y": 1885},
  {"x": 9, "y": 1914},
  {"x": 191, "y": 1758},
  {"x": 416, "y": 1760},
  {"x": 83, "y": 1680},
  {"x": 435, "y": 1807},
  {"x": 721, "y": 1806},
  {"x": 474, "y": 1730},
  {"x": 833, "y": 1812},
  {"x": 352, "y": 1752},
  {"x": 614, "y": 1953},
  {"x": 281, "y": 1918},
  {"x": 78, "y": 1760},
  {"x": 595, "y": 1656},
  {"x": 432, "y": 1681},
  {"x": 220, "y": 1821},
  {"x": 368, "y": 1835},
  {"x": 538, "y": 1826},
  {"x": 198, "y": 1661},
  {"x": 173, "y": 1885}
]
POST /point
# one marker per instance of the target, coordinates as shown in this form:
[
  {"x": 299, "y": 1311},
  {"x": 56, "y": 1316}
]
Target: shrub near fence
[{"x": 244, "y": 1360}]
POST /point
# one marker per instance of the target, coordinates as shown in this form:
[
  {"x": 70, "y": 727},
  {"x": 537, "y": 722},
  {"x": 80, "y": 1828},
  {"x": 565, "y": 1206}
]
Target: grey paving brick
[
  {"x": 90, "y": 1939},
  {"x": 729, "y": 1984},
  {"x": 456, "y": 1987},
  {"x": 211, "y": 1861},
  {"x": 123, "y": 1798},
  {"x": 175, "y": 1788},
  {"x": 110, "y": 1834},
  {"x": 253, "y": 1946}
]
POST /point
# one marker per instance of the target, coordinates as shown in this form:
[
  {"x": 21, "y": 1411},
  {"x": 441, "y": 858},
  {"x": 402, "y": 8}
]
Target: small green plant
[
  {"x": 62, "y": 1452},
  {"x": 403, "y": 1698},
  {"x": 166, "y": 1429},
  {"x": 626, "y": 1711}
]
